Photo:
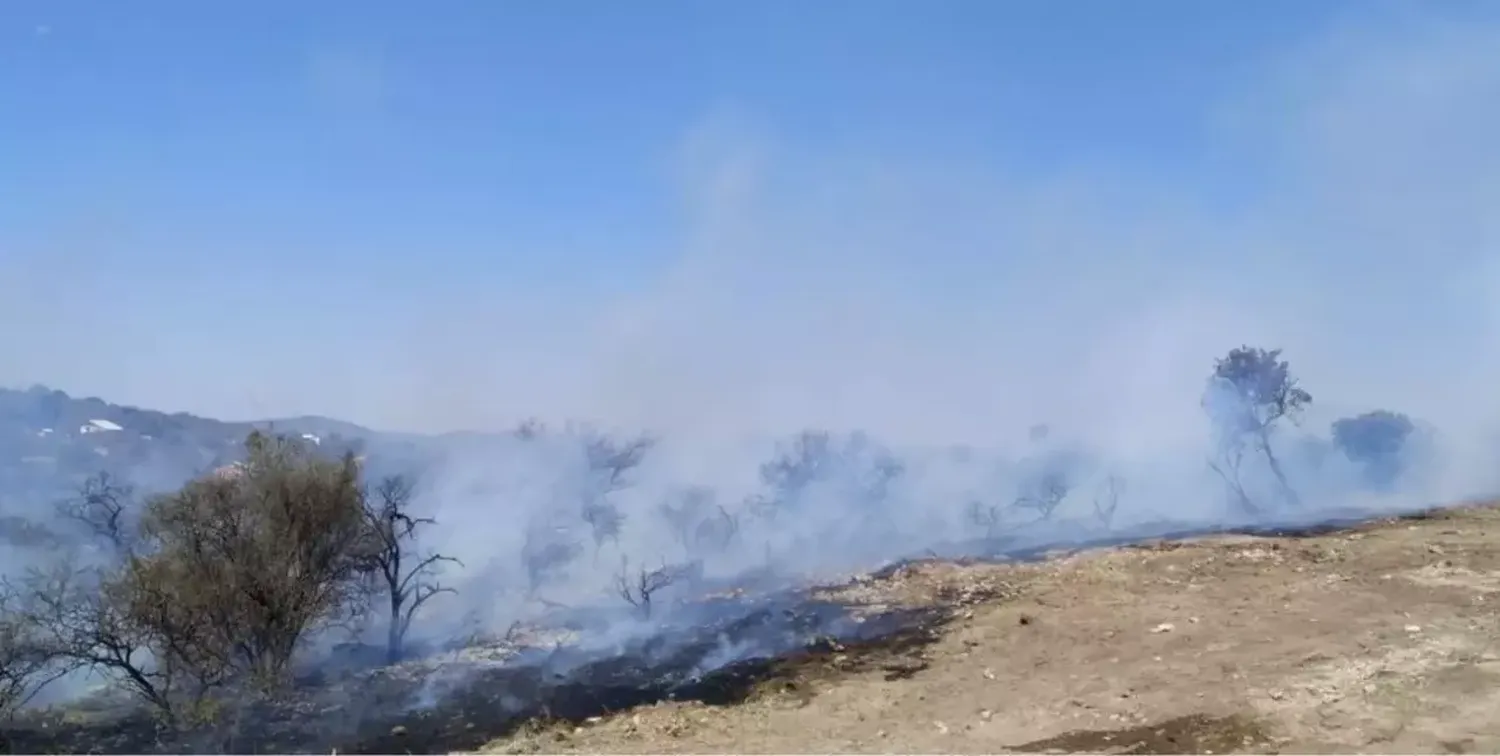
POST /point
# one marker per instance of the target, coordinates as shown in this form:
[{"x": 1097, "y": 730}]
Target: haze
[{"x": 939, "y": 222}]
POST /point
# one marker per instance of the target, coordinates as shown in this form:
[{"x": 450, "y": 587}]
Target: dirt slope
[{"x": 1381, "y": 639}]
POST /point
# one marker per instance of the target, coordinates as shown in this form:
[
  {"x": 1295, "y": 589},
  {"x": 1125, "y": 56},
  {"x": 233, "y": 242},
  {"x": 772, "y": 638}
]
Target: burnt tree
[{"x": 408, "y": 578}]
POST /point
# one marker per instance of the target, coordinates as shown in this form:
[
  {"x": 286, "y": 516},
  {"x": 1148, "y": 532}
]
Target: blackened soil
[{"x": 389, "y": 712}]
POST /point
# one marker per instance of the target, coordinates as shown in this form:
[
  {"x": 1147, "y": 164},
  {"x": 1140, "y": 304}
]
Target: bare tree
[
  {"x": 409, "y": 579},
  {"x": 610, "y": 461},
  {"x": 103, "y": 507},
  {"x": 1107, "y": 500},
  {"x": 26, "y": 663},
  {"x": 1045, "y": 494},
  {"x": 716, "y": 531},
  {"x": 987, "y": 516},
  {"x": 545, "y": 553},
  {"x": 1228, "y": 465},
  {"x": 796, "y": 465},
  {"x": 697, "y": 522},
  {"x": 103, "y": 618},
  {"x": 639, "y": 587},
  {"x": 86, "y": 622},
  {"x": 605, "y": 522},
  {"x": 615, "y": 458}
]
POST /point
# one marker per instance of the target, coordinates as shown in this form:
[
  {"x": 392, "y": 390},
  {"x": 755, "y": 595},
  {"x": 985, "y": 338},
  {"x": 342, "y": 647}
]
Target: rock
[
  {"x": 399, "y": 731},
  {"x": 1165, "y": 627}
]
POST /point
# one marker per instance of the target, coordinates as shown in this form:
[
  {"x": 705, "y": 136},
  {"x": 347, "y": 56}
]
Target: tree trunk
[
  {"x": 393, "y": 639},
  {"x": 1275, "y": 464}
]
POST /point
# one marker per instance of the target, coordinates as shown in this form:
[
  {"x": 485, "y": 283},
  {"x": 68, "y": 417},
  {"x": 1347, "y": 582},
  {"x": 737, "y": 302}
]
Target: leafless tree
[
  {"x": 87, "y": 621},
  {"x": 1228, "y": 462},
  {"x": 638, "y": 587},
  {"x": 614, "y": 458},
  {"x": 1045, "y": 494},
  {"x": 103, "y": 507},
  {"x": 409, "y": 579},
  {"x": 715, "y": 532},
  {"x": 605, "y": 522},
  {"x": 26, "y": 663},
  {"x": 697, "y": 522},
  {"x": 610, "y": 461},
  {"x": 103, "y": 616},
  {"x": 545, "y": 553},
  {"x": 795, "y": 466},
  {"x": 987, "y": 516},
  {"x": 1107, "y": 499}
]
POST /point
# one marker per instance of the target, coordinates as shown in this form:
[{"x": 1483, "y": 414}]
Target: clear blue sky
[{"x": 441, "y": 214}]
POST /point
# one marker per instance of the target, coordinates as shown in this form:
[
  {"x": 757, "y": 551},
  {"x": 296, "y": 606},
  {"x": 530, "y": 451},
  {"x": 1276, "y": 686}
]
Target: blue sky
[{"x": 930, "y": 218}]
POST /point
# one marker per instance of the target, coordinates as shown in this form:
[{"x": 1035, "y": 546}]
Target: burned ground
[
  {"x": 438, "y": 704},
  {"x": 1379, "y": 637},
  {"x": 1373, "y": 637}
]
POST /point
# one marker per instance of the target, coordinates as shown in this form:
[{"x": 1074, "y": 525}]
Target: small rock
[
  {"x": 399, "y": 731},
  {"x": 941, "y": 727},
  {"x": 1413, "y": 628},
  {"x": 988, "y": 674},
  {"x": 1165, "y": 627},
  {"x": 985, "y": 714},
  {"x": 1192, "y": 620},
  {"x": 1434, "y": 548}
]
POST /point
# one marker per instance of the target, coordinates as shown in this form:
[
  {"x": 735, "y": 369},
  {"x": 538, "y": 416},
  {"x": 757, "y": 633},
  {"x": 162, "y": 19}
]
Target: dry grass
[{"x": 1380, "y": 639}]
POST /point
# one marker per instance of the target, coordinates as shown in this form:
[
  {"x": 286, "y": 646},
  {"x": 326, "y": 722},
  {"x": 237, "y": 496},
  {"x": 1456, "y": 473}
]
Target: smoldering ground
[{"x": 996, "y": 356}]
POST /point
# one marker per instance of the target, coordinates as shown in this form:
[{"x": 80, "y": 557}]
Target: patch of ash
[{"x": 461, "y": 698}]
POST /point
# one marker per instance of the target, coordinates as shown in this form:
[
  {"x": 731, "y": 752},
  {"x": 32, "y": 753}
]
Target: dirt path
[{"x": 1378, "y": 640}]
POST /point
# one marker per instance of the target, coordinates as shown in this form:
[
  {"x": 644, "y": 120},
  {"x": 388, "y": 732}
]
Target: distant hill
[{"x": 50, "y": 442}]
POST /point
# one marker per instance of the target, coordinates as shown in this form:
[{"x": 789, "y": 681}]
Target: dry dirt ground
[{"x": 1378, "y": 639}]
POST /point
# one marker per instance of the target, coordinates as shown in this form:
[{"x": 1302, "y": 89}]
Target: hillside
[
  {"x": 1350, "y": 637},
  {"x": 50, "y": 442},
  {"x": 1376, "y": 639}
]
